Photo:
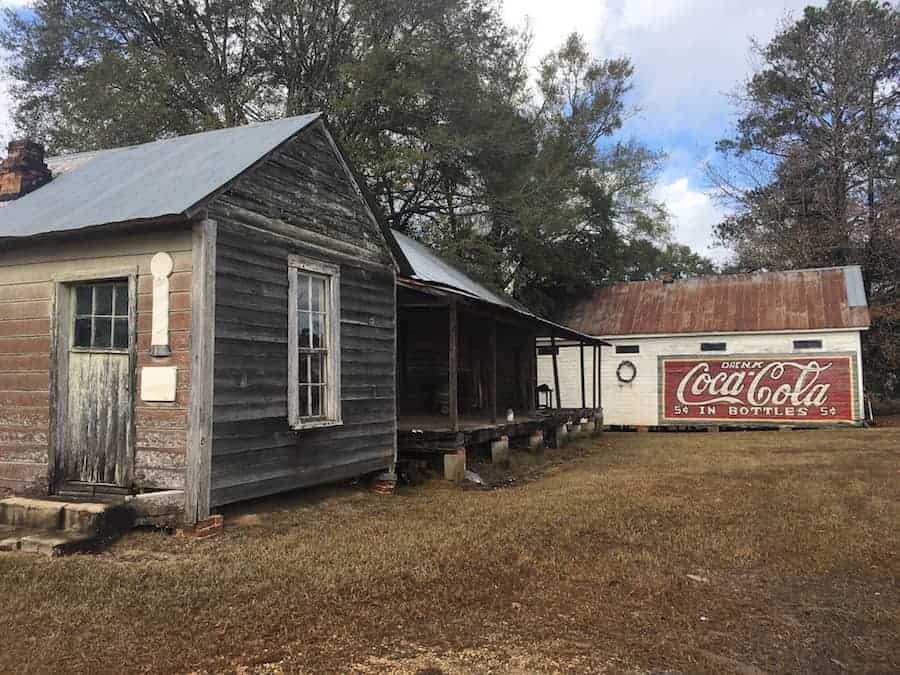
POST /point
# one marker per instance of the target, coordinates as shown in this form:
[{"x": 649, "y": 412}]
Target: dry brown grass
[{"x": 793, "y": 538}]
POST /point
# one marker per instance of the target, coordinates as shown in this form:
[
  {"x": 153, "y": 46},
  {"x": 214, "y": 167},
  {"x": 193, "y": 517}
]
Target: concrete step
[
  {"x": 46, "y": 542},
  {"x": 31, "y": 513},
  {"x": 54, "y": 527},
  {"x": 85, "y": 518}
]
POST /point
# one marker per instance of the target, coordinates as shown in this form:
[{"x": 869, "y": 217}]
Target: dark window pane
[
  {"x": 315, "y": 368},
  {"x": 302, "y": 292},
  {"x": 83, "y": 295},
  {"x": 303, "y": 375},
  {"x": 318, "y": 294},
  {"x": 102, "y": 332},
  {"x": 121, "y": 303},
  {"x": 120, "y": 334},
  {"x": 628, "y": 349},
  {"x": 303, "y": 329},
  {"x": 712, "y": 346},
  {"x": 82, "y": 337},
  {"x": 315, "y": 401},
  {"x": 304, "y": 401},
  {"x": 317, "y": 338},
  {"x": 807, "y": 344},
  {"x": 103, "y": 299}
]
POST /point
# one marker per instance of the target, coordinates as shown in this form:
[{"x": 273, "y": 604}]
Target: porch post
[
  {"x": 532, "y": 375},
  {"x": 581, "y": 357},
  {"x": 453, "y": 366},
  {"x": 555, "y": 371},
  {"x": 594, "y": 378},
  {"x": 492, "y": 336}
]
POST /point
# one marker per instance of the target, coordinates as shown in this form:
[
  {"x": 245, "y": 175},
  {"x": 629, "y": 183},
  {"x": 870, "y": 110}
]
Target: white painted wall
[
  {"x": 569, "y": 380},
  {"x": 636, "y": 403}
]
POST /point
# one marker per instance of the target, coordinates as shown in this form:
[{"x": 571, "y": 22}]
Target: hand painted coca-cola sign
[{"x": 778, "y": 388}]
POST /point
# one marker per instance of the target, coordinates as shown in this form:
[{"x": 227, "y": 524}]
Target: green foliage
[
  {"x": 814, "y": 168},
  {"x": 431, "y": 98}
]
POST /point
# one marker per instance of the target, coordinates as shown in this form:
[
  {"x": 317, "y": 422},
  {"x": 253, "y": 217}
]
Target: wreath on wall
[{"x": 626, "y": 372}]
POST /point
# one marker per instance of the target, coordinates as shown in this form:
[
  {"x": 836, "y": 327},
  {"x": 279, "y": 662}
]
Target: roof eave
[
  {"x": 444, "y": 290},
  {"x": 169, "y": 219}
]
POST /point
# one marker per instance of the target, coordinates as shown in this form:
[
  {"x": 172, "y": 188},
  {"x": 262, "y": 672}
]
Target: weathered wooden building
[
  {"x": 467, "y": 365},
  {"x": 213, "y": 313},
  {"x": 777, "y": 348}
]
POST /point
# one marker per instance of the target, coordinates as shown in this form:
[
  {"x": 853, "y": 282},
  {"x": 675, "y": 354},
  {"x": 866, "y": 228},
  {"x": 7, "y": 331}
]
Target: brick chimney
[{"x": 23, "y": 170}]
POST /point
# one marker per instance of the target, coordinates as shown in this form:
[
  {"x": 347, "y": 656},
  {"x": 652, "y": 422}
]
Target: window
[
  {"x": 101, "y": 316},
  {"x": 712, "y": 346},
  {"x": 807, "y": 344},
  {"x": 548, "y": 351},
  {"x": 314, "y": 397},
  {"x": 628, "y": 349}
]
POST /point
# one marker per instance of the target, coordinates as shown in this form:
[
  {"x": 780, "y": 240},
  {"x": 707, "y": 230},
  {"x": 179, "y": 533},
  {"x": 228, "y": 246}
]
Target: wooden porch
[
  {"x": 430, "y": 434},
  {"x": 464, "y": 368}
]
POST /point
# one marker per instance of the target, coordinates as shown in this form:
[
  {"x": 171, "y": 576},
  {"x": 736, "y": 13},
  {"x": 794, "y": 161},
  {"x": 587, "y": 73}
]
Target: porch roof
[{"x": 433, "y": 274}]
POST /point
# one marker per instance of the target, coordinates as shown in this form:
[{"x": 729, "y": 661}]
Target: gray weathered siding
[{"x": 300, "y": 201}]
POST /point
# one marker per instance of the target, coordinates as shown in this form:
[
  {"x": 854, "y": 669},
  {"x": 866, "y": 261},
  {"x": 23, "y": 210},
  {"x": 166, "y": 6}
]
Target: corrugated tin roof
[
  {"x": 430, "y": 269},
  {"x": 153, "y": 180},
  {"x": 812, "y": 299}
]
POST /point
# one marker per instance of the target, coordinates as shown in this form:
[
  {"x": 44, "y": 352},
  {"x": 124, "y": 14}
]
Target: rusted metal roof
[{"x": 814, "y": 299}]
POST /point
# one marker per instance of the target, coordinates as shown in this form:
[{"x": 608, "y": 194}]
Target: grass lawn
[{"x": 732, "y": 552}]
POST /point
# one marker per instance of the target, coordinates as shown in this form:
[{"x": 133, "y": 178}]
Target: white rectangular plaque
[{"x": 158, "y": 383}]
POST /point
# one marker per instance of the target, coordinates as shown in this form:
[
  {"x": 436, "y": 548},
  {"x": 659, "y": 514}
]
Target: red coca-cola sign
[{"x": 777, "y": 388}]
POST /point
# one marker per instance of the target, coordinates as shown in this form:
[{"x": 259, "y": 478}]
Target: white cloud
[
  {"x": 6, "y": 125},
  {"x": 694, "y": 214},
  {"x": 688, "y": 56},
  {"x": 552, "y": 22}
]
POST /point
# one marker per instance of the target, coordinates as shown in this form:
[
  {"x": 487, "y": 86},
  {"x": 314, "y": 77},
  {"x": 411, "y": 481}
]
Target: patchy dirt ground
[{"x": 632, "y": 553}]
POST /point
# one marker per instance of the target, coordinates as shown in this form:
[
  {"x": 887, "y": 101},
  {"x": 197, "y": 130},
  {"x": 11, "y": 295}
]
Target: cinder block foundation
[
  {"x": 500, "y": 451},
  {"x": 455, "y": 465},
  {"x": 560, "y": 436}
]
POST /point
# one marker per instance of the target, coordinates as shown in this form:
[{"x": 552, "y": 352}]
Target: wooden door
[{"x": 94, "y": 452}]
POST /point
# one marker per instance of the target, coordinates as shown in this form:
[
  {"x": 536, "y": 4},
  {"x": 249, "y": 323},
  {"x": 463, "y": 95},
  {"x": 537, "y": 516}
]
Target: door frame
[{"x": 60, "y": 343}]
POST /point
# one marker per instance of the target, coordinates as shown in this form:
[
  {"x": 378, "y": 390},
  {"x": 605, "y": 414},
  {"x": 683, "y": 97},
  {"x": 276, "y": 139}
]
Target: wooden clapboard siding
[
  {"x": 424, "y": 364},
  {"x": 300, "y": 201},
  {"x": 27, "y": 277}
]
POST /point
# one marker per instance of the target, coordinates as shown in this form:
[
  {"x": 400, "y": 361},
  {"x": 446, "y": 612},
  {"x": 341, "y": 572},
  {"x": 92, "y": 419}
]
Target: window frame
[
  {"x": 331, "y": 401},
  {"x": 713, "y": 346},
  {"x": 115, "y": 283}
]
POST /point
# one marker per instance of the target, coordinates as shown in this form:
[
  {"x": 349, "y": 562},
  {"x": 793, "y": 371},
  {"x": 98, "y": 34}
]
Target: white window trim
[{"x": 333, "y": 415}]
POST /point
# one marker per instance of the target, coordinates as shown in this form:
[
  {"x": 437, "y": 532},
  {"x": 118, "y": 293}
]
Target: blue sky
[{"x": 689, "y": 55}]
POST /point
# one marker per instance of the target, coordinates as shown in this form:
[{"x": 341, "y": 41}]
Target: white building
[{"x": 776, "y": 348}]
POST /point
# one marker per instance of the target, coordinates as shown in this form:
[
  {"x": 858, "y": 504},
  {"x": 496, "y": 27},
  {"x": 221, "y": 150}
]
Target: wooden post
[
  {"x": 555, "y": 371},
  {"x": 532, "y": 380},
  {"x": 583, "y": 390},
  {"x": 203, "y": 320},
  {"x": 492, "y": 336},
  {"x": 453, "y": 366},
  {"x": 594, "y": 378}
]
